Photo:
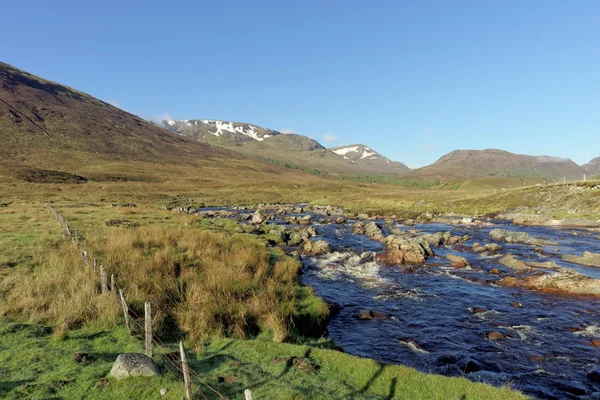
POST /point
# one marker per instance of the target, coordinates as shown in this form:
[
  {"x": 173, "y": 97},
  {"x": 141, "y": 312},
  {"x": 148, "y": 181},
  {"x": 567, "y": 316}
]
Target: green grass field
[{"x": 37, "y": 343}]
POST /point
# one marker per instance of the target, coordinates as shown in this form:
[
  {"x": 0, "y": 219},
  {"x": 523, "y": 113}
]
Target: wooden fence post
[
  {"x": 148, "y": 328},
  {"x": 103, "y": 280},
  {"x": 95, "y": 265},
  {"x": 125, "y": 310},
  {"x": 113, "y": 284},
  {"x": 248, "y": 394},
  {"x": 186, "y": 372}
]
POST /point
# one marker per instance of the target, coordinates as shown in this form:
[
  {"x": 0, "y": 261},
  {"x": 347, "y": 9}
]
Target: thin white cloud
[
  {"x": 414, "y": 166},
  {"x": 330, "y": 137},
  {"x": 114, "y": 102},
  {"x": 287, "y": 130}
]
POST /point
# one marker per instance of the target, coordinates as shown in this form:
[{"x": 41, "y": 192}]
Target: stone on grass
[{"x": 133, "y": 364}]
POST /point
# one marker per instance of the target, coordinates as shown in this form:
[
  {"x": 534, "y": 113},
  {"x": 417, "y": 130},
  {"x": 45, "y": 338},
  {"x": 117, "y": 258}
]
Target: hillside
[
  {"x": 467, "y": 164},
  {"x": 53, "y": 133},
  {"x": 290, "y": 149},
  {"x": 366, "y": 157},
  {"x": 219, "y": 132},
  {"x": 593, "y": 167}
]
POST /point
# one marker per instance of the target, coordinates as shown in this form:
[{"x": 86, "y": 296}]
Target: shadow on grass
[{"x": 7, "y": 386}]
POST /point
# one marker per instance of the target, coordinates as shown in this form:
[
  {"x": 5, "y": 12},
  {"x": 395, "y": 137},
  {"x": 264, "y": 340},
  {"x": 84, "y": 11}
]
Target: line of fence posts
[{"x": 148, "y": 334}]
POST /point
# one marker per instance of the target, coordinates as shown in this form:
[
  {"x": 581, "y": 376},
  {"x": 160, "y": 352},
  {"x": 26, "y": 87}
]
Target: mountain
[
  {"x": 460, "y": 164},
  {"x": 364, "y": 156},
  {"x": 219, "y": 132},
  {"x": 593, "y": 167},
  {"x": 49, "y": 131},
  {"x": 291, "y": 149}
]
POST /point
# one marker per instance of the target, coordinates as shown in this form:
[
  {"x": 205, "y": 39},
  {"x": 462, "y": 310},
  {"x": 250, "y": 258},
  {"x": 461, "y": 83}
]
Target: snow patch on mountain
[
  {"x": 343, "y": 152},
  {"x": 366, "y": 153}
]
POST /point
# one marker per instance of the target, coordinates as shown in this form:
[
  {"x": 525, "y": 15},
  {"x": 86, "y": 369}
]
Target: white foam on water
[
  {"x": 413, "y": 347},
  {"x": 591, "y": 331},
  {"x": 348, "y": 265}
]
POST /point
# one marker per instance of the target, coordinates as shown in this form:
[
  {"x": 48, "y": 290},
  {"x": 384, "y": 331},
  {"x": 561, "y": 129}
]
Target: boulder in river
[
  {"x": 511, "y": 262},
  {"x": 317, "y": 248},
  {"x": 587, "y": 258},
  {"x": 373, "y": 231},
  {"x": 258, "y": 217},
  {"x": 457, "y": 261},
  {"x": 503, "y": 235},
  {"x": 565, "y": 281},
  {"x": 133, "y": 364}
]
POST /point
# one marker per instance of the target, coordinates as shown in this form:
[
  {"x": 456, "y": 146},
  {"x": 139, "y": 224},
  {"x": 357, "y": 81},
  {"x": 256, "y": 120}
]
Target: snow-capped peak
[{"x": 218, "y": 128}]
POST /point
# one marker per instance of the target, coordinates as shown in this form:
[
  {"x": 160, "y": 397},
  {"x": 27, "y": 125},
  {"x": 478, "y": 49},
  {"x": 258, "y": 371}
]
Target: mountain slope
[
  {"x": 498, "y": 163},
  {"x": 48, "y": 132},
  {"x": 366, "y": 157},
  {"x": 593, "y": 167},
  {"x": 219, "y": 132},
  {"x": 286, "y": 148}
]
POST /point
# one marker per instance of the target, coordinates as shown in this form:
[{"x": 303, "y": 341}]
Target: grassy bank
[
  {"x": 35, "y": 364},
  {"x": 212, "y": 289}
]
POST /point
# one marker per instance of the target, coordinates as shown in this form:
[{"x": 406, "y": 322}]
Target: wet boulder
[
  {"x": 565, "y": 281},
  {"x": 373, "y": 231},
  {"x": 495, "y": 335},
  {"x": 587, "y": 258},
  {"x": 492, "y": 248},
  {"x": 133, "y": 364},
  {"x": 317, "y": 248},
  {"x": 513, "y": 263},
  {"x": 502, "y": 235},
  {"x": 457, "y": 261},
  {"x": 594, "y": 375},
  {"x": 258, "y": 217},
  {"x": 434, "y": 239}
]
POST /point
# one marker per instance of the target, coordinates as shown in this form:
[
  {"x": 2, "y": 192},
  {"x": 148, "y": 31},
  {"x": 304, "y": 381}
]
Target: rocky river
[{"x": 488, "y": 300}]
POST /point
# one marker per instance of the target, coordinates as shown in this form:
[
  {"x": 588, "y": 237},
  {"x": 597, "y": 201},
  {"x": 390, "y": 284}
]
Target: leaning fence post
[
  {"x": 186, "y": 372},
  {"x": 248, "y": 394},
  {"x": 125, "y": 310},
  {"x": 103, "y": 282},
  {"x": 148, "y": 328},
  {"x": 113, "y": 284}
]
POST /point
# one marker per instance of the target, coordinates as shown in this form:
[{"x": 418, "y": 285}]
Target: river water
[{"x": 437, "y": 318}]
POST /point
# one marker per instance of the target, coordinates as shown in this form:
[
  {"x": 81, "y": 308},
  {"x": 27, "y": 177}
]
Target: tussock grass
[
  {"x": 62, "y": 293},
  {"x": 205, "y": 284}
]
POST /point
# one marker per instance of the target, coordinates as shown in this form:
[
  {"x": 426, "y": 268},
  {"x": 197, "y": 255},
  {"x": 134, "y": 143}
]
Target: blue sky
[{"x": 411, "y": 79}]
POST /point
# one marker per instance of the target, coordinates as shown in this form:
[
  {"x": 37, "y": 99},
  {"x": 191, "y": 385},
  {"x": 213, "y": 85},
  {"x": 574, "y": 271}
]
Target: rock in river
[
  {"x": 503, "y": 235},
  {"x": 587, "y": 258}
]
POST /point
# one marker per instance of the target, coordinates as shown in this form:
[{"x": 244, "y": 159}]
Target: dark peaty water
[{"x": 433, "y": 323}]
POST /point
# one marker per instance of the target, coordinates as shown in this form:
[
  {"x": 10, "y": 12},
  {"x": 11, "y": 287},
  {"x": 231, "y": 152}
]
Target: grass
[
  {"x": 35, "y": 364},
  {"x": 230, "y": 285}
]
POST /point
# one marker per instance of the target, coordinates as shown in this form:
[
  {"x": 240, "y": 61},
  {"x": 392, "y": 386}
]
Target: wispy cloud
[
  {"x": 114, "y": 102},
  {"x": 330, "y": 137},
  {"x": 155, "y": 118},
  {"x": 287, "y": 130}
]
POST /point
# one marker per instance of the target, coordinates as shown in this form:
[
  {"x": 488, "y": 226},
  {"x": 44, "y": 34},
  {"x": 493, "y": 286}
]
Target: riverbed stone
[
  {"x": 503, "y": 235},
  {"x": 457, "y": 261},
  {"x": 133, "y": 364},
  {"x": 587, "y": 258},
  {"x": 511, "y": 262},
  {"x": 258, "y": 217},
  {"x": 318, "y": 248}
]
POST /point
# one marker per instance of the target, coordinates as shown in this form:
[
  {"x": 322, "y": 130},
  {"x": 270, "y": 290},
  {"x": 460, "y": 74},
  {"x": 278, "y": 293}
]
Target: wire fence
[{"x": 170, "y": 359}]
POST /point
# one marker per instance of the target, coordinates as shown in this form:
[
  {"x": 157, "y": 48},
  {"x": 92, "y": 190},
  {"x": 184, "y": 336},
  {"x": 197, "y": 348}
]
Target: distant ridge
[
  {"x": 498, "y": 163},
  {"x": 593, "y": 167},
  {"x": 294, "y": 149}
]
